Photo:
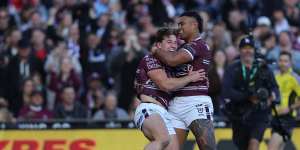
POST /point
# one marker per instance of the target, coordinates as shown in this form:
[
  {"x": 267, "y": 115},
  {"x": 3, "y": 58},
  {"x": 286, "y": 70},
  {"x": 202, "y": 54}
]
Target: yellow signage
[{"x": 100, "y": 139}]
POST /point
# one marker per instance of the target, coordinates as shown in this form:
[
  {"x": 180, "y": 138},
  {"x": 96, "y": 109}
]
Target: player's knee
[
  {"x": 253, "y": 144},
  {"x": 164, "y": 142},
  {"x": 274, "y": 144}
]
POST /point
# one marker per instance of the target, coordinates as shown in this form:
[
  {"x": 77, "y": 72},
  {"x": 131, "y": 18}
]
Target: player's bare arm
[
  {"x": 172, "y": 58},
  {"x": 167, "y": 84}
]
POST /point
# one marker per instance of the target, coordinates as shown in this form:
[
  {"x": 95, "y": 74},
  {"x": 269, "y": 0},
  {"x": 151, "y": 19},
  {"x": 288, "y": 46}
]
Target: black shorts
[
  {"x": 242, "y": 133},
  {"x": 288, "y": 123}
]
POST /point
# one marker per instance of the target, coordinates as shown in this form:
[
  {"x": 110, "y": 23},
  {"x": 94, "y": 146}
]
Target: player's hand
[
  {"x": 198, "y": 75},
  {"x": 254, "y": 99},
  {"x": 271, "y": 99},
  {"x": 283, "y": 111}
]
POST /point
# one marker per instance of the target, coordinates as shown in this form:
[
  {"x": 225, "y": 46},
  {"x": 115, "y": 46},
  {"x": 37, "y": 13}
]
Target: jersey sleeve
[
  {"x": 152, "y": 63},
  {"x": 191, "y": 49},
  {"x": 198, "y": 49}
]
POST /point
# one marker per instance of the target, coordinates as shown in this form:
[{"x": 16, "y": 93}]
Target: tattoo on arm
[{"x": 203, "y": 131}]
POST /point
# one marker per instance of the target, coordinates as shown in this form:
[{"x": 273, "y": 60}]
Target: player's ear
[
  {"x": 158, "y": 44},
  {"x": 195, "y": 24}
]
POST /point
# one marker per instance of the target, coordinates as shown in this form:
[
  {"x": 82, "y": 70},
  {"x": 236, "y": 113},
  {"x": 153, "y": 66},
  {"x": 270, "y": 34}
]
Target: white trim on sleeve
[{"x": 189, "y": 53}]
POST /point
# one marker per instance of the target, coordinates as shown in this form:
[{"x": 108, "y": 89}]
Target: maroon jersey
[
  {"x": 201, "y": 56},
  {"x": 144, "y": 85}
]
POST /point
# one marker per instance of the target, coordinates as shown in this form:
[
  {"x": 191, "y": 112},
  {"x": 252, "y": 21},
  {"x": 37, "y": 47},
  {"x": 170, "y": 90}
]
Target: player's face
[
  {"x": 169, "y": 43},
  {"x": 284, "y": 62},
  {"x": 186, "y": 26},
  {"x": 247, "y": 53}
]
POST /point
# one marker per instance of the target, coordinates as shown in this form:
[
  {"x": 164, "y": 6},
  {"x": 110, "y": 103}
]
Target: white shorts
[
  {"x": 146, "y": 109},
  {"x": 185, "y": 110}
]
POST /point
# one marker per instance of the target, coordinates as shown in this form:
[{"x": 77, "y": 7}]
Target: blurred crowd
[{"x": 76, "y": 59}]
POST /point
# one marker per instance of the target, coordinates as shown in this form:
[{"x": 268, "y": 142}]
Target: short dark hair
[
  {"x": 286, "y": 53},
  {"x": 196, "y": 16},
  {"x": 67, "y": 86},
  {"x": 164, "y": 32}
]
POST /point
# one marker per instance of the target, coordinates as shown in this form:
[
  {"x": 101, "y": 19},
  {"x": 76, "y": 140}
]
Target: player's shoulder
[
  {"x": 151, "y": 61},
  {"x": 200, "y": 42},
  {"x": 149, "y": 57}
]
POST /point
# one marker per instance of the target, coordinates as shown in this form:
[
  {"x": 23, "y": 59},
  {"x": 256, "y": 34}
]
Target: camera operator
[
  {"x": 289, "y": 87},
  {"x": 249, "y": 87}
]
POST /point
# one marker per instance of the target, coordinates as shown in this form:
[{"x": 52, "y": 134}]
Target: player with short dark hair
[
  {"x": 153, "y": 83},
  {"x": 192, "y": 107}
]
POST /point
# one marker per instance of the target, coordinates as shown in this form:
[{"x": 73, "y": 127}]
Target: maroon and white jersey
[
  {"x": 201, "y": 55},
  {"x": 144, "y": 85}
]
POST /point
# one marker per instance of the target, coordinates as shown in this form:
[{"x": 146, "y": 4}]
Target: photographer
[
  {"x": 249, "y": 87},
  {"x": 289, "y": 87}
]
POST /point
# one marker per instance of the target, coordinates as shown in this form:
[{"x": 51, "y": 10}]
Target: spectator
[
  {"x": 166, "y": 11},
  {"x": 11, "y": 43},
  {"x": 69, "y": 108},
  {"x": 145, "y": 24},
  {"x": 231, "y": 53},
  {"x": 6, "y": 116},
  {"x": 215, "y": 76},
  {"x": 19, "y": 69},
  {"x": 38, "y": 44},
  {"x": 22, "y": 97},
  {"x": 236, "y": 23},
  {"x": 221, "y": 38},
  {"x": 94, "y": 96},
  {"x": 118, "y": 15},
  {"x": 35, "y": 110},
  {"x": 136, "y": 10},
  {"x": 111, "y": 111},
  {"x": 38, "y": 82},
  {"x": 3, "y": 102},
  {"x": 96, "y": 58},
  {"x": 292, "y": 12},
  {"x": 101, "y": 6},
  {"x": 21, "y": 66},
  {"x": 103, "y": 26},
  {"x": 64, "y": 22},
  {"x": 285, "y": 45},
  {"x": 123, "y": 67},
  {"x": 144, "y": 41},
  {"x": 269, "y": 45},
  {"x": 34, "y": 21},
  {"x": 7, "y": 52},
  {"x": 4, "y": 24},
  {"x": 27, "y": 88},
  {"x": 66, "y": 76},
  {"x": 53, "y": 60},
  {"x": 281, "y": 23},
  {"x": 73, "y": 42},
  {"x": 40, "y": 8},
  {"x": 263, "y": 28}
]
